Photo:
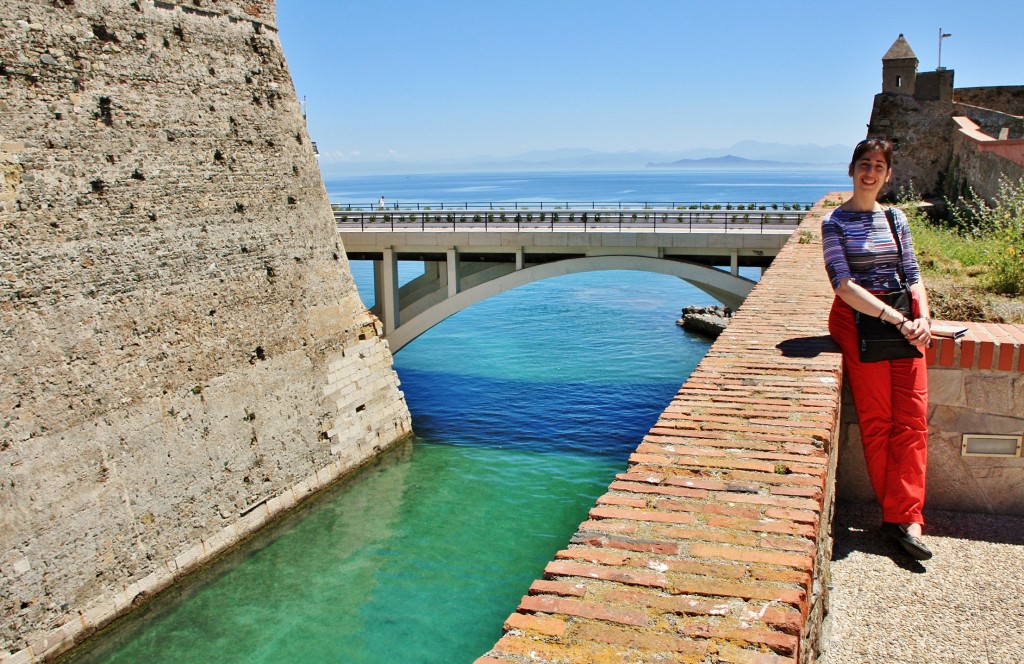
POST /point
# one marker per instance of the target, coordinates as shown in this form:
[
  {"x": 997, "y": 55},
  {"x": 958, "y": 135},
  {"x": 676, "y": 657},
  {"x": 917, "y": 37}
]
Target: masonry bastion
[{"x": 184, "y": 352}]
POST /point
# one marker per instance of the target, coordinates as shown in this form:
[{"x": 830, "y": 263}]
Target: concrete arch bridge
[{"x": 473, "y": 255}]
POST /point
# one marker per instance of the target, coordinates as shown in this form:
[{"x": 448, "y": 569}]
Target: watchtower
[{"x": 899, "y": 68}]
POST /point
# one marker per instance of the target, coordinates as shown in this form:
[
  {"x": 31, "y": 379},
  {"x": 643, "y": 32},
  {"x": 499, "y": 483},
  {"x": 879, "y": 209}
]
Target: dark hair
[{"x": 872, "y": 145}]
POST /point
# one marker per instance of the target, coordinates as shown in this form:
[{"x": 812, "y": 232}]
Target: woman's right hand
[{"x": 917, "y": 331}]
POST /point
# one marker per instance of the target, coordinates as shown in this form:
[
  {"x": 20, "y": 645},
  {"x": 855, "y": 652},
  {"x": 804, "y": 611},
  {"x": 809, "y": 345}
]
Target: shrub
[{"x": 1002, "y": 222}]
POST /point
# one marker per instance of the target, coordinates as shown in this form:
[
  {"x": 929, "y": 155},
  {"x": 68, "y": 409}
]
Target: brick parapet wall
[
  {"x": 985, "y": 347},
  {"x": 715, "y": 541}
]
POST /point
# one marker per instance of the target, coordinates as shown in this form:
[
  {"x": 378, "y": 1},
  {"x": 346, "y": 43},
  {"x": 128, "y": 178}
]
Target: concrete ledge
[{"x": 715, "y": 542}]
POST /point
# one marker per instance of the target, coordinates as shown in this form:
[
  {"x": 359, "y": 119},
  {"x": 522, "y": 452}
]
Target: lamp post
[{"x": 942, "y": 35}]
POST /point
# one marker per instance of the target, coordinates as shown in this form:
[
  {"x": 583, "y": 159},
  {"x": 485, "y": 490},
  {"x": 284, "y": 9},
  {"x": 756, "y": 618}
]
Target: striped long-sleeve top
[{"x": 860, "y": 246}]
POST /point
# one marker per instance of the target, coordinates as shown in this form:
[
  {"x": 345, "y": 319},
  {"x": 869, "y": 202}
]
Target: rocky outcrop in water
[{"x": 708, "y": 321}]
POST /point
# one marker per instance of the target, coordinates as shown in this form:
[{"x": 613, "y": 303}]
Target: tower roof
[{"x": 900, "y": 50}]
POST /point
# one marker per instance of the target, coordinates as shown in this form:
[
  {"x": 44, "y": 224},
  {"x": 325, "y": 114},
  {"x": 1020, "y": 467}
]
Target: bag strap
[{"x": 890, "y": 216}]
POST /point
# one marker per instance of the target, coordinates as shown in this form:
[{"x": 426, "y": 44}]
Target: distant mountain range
[
  {"x": 734, "y": 163},
  {"x": 752, "y": 155}
]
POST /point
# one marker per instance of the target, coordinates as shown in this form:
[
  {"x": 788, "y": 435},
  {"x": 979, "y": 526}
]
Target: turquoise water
[
  {"x": 525, "y": 406},
  {"x": 403, "y": 565}
]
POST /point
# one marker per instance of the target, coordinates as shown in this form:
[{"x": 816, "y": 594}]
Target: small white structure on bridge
[{"x": 472, "y": 257}]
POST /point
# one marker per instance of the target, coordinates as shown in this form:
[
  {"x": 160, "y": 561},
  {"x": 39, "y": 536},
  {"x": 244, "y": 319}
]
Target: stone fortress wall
[
  {"x": 184, "y": 353},
  {"x": 933, "y": 154}
]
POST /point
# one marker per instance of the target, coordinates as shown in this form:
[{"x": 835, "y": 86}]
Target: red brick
[
  {"x": 750, "y": 555},
  {"x": 592, "y": 556},
  {"x": 730, "y": 654},
  {"x": 706, "y": 569},
  {"x": 540, "y": 624},
  {"x": 805, "y": 449},
  {"x": 797, "y": 577},
  {"x": 708, "y": 534},
  {"x": 542, "y": 586},
  {"x": 708, "y": 508},
  {"x": 640, "y": 515},
  {"x": 631, "y": 576},
  {"x": 696, "y": 483},
  {"x": 816, "y": 479},
  {"x": 639, "y": 546},
  {"x": 621, "y": 501},
  {"x": 658, "y": 490},
  {"x": 1006, "y": 352},
  {"x": 785, "y": 644},
  {"x": 804, "y": 491},
  {"x": 986, "y": 352},
  {"x": 607, "y": 527},
  {"x": 792, "y": 515},
  {"x": 575, "y": 607},
  {"x": 789, "y": 544},
  {"x": 966, "y": 353},
  {"x": 646, "y": 478},
  {"x": 642, "y": 641},
  {"x": 534, "y": 649},
  {"x": 774, "y": 501},
  {"x": 678, "y": 604},
  {"x": 786, "y": 620},
  {"x": 697, "y": 461},
  {"x": 720, "y": 588},
  {"x": 947, "y": 349}
]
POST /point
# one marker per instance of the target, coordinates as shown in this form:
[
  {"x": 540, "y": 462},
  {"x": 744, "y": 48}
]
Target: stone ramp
[{"x": 964, "y": 605}]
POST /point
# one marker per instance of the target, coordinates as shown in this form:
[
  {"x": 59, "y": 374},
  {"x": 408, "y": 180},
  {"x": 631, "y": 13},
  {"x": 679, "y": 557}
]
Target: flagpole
[{"x": 942, "y": 35}]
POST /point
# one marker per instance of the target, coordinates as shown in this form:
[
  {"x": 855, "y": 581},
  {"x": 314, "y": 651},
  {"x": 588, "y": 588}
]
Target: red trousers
[{"x": 892, "y": 406}]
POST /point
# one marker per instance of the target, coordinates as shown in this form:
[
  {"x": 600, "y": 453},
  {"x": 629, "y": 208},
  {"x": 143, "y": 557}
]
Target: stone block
[
  {"x": 946, "y": 387},
  {"x": 190, "y": 558},
  {"x": 989, "y": 392},
  {"x": 23, "y": 656},
  {"x": 99, "y": 614}
]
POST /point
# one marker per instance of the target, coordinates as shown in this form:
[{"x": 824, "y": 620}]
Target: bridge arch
[{"x": 727, "y": 288}]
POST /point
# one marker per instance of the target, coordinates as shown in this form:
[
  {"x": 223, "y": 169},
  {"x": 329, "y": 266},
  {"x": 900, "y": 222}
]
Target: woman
[{"x": 891, "y": 396}]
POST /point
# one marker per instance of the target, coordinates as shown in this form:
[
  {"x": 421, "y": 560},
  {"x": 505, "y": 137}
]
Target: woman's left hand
[{"x": 918, "y": 331}]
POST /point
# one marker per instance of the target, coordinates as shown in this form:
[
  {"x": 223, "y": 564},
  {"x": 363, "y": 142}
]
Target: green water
[{"x": 369, "y": 578}]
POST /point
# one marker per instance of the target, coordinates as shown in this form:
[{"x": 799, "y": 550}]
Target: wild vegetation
[{"x": 973, "y": 262}]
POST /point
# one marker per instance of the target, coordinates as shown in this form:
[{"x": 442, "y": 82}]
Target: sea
[{"x": 525, "y": 406}]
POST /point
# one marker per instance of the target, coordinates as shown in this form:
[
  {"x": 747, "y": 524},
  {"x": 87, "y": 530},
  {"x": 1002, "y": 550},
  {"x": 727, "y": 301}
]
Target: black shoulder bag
[{"x": 879, "y": 340}]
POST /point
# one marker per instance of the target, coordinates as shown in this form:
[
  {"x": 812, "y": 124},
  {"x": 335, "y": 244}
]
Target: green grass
[{"x": 973, "y": 264}]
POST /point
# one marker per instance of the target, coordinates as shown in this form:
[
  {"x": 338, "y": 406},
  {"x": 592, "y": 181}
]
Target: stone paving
[{"x": 966, "y": 604}]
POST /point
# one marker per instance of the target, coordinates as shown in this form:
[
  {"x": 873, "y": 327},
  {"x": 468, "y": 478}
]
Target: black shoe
[{"x": 910, "y": 544}]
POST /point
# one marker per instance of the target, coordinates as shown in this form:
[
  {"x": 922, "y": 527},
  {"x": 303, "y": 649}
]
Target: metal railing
[
  {"x": 773, "y": 206},
  {"x": 571, "y": 219}
]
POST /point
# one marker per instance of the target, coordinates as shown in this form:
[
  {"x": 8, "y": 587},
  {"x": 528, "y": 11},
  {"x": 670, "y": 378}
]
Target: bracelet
[{"x": 902, "y": 323}]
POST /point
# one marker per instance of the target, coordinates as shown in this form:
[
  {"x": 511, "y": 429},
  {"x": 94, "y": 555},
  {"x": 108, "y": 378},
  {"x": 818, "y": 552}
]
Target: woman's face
[{"x": 871, "y": 172}]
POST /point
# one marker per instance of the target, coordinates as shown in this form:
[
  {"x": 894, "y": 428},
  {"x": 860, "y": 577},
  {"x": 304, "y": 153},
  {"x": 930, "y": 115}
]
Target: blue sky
[{"x": 425, "y": 81}]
